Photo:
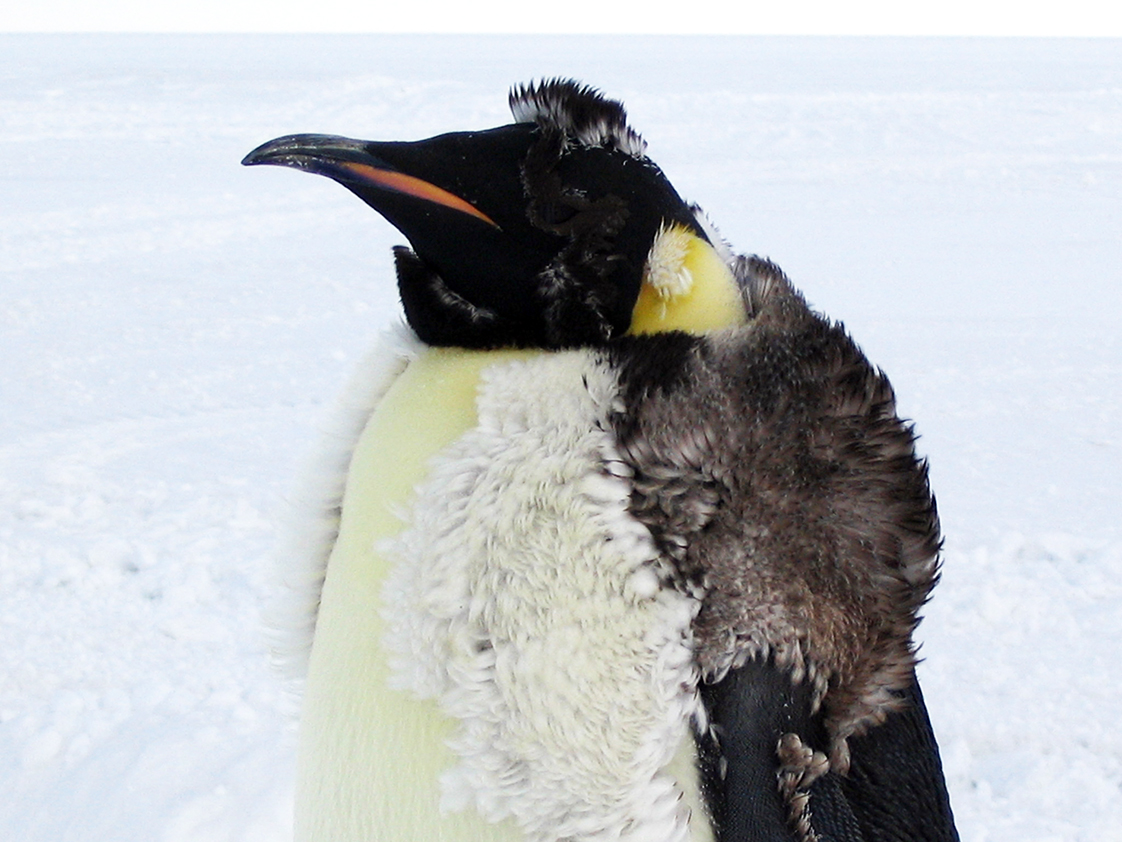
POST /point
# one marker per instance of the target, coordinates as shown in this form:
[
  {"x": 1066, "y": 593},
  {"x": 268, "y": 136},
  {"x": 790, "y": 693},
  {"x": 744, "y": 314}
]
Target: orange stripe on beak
[{"x": 412, "y": 186}]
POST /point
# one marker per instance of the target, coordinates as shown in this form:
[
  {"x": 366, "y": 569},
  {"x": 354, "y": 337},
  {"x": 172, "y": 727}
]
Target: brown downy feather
[{"x": 793, "y": 498}]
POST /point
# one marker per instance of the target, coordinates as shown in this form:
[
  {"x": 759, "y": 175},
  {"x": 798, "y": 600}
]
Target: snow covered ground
[{"x": 173, "y": 328}]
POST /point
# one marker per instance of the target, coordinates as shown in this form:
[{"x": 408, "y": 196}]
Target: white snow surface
[{"x": 174, "y": 329}]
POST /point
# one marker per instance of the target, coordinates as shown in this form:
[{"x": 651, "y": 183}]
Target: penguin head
[{"x": 555, "y": 231}]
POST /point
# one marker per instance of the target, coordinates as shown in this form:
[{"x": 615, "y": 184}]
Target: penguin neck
[{"x": 686, "y": 286}]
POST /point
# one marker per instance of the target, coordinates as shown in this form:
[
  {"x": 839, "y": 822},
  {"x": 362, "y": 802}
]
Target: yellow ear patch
[{"x": 686, "y": 286}]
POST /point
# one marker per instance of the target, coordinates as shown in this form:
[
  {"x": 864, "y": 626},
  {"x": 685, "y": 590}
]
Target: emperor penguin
[{"x": 630, "y": 543}]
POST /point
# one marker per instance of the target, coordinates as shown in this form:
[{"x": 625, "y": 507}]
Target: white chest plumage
[{"x": 497, "y": 656}]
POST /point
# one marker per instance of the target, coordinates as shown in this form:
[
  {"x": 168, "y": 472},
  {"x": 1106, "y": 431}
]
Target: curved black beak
[{"x": 355, "y": 165}]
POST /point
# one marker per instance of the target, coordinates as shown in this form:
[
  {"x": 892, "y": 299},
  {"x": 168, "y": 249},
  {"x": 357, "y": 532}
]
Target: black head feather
[{"x": 580, "y": 112}]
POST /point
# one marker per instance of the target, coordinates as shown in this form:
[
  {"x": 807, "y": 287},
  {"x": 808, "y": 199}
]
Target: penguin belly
[
  {"x": 499, "y": 654},
  {"x": 370, "y": 757}
]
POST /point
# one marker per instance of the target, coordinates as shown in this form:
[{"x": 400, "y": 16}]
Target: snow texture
[{"x": 173, "y": 328}]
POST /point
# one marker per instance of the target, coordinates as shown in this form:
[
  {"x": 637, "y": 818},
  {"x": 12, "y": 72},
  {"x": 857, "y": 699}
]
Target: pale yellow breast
[{"x": 370, "y": 757}]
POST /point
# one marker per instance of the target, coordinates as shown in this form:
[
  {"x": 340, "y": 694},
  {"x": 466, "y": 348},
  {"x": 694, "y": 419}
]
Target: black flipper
[
  {"x": 750, "y": 709},
  {"x": 894, "y": 790},
  {"x": 895, "y": 785}
]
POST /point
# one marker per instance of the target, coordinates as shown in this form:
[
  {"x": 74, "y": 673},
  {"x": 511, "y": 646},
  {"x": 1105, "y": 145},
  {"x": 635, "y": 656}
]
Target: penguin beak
[{"x": 355, "y": 165}]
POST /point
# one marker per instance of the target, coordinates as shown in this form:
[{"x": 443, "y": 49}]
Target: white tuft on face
[{"x": 667, "y": 272}]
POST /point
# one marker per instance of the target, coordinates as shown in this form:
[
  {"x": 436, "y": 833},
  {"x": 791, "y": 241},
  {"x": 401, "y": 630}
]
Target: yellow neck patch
[{"x": 686, "y": 286}]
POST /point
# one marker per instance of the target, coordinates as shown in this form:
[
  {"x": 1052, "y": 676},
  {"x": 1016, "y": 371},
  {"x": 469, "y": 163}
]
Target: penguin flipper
[
  {"x": 894, "y": 788},
  {"x": 893, "y": 791},
  {"x": 750, "y": 710}
]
